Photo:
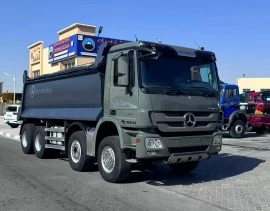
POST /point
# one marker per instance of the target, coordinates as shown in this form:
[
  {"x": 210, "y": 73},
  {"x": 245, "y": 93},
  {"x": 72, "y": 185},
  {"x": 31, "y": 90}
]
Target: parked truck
[
  {"x": 235, "y": 120},
  {"x": 257, "y": 107},
  {"x": 139, "y": 102}
]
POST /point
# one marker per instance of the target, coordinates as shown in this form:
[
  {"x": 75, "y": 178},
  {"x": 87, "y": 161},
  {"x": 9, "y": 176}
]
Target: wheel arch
[
  {"x": 73, "y": 127},
  {"x": 107, "y": 127},
  {"x": 238, "y": 115},
  {"x": 29, "y": 121}
]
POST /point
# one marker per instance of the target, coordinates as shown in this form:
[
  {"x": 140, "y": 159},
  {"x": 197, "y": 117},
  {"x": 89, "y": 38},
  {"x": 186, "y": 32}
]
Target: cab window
[{"x": 230, "y": 94}]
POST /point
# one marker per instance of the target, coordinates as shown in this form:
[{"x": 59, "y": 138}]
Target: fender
[
  {"x": 115, "y": 122},
  {"x": 92, "y": 134},
  {"x": 88, "y": 131},
  {"x": 237, "y": 114},
  {"x": 81, "y": 125}
]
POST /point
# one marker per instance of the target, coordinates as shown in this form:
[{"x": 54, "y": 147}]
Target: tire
[
  {"x": 238, "y": 129},
  {"x": 77, "y": 157},
  {"x": 27, "y": 137},
  {"x": 13, "y": 125},
  {"x": 39, "y": 144},
  {"x": 184, "y": 168},
  {"x": 120, "y": 169}
]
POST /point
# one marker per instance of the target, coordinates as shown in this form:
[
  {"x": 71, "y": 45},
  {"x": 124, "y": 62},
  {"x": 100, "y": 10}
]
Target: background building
[
  {"x": 253, "y": 84},
  {"x": 8, "y": 97},
  {"x": 77, "y": 45}
]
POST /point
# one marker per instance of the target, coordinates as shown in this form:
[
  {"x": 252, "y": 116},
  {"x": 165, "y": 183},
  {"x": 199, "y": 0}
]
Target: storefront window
[
  {"x": 69, "y": 65},
  {"x": 265, "y": 90},
  {"x": 246, "y": 90}
]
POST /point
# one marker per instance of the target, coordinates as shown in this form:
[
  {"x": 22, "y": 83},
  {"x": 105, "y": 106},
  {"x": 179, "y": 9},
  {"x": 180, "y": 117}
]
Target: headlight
[
  {"x": 153, "y": 143},
  {"x": 217, "y": 140}
]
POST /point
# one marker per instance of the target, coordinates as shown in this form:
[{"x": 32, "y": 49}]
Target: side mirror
[{"x": 122, "y": 70}]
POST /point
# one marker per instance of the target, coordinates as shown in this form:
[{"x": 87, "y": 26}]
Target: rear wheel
[
  {"x": 112, "y": 162},
  {"x": 39, "y": 144},
  {"x": 77, "y": 156},
  {"x": 238, "y": 129},
  {"x": 184, "y": 168},
  {"x": 27, "y": 137}
]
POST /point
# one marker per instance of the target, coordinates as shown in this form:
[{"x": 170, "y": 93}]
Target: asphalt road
[{"x": 28, "y": 183}]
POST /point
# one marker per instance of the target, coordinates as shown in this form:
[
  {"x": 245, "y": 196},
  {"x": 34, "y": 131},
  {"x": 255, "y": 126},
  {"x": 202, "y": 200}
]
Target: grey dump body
[
  {"x": 74, "y": 95},
  {"x": 116, "y": 97}
]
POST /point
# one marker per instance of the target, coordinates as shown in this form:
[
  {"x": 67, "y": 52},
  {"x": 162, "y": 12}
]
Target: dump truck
[
  {"x": 235, "y": 120},
  {"x": 139, "y": 102}
]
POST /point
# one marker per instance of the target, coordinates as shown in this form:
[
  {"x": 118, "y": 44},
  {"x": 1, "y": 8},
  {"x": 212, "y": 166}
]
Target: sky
[{"x": 238, "y": 32}]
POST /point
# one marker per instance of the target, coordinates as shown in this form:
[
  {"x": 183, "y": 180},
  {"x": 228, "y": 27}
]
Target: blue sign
[
  {"x": 63, "y": 50},
  {"x": 77, "y": 45},
  {"x": 89, "y": 45}
]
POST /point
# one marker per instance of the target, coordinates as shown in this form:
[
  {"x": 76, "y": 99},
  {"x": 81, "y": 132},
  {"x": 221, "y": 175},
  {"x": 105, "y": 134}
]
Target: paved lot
[{"x": 237, "y": 179}]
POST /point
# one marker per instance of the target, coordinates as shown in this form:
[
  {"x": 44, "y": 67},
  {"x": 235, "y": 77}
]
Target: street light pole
[
  {"x": 14, "y": 85},
  {"x": 14, "y": 96}
]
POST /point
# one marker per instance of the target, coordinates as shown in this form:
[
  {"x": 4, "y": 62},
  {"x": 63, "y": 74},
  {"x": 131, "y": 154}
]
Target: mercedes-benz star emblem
[
  {"x": 189, "y": 120},
  {"x": 32, "y": 91}
]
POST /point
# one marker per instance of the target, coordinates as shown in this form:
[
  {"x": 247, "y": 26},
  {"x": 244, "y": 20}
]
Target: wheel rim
[
  {"x": 108, "y": 159},
  {"x": 76, "y": 151},
  {"x": 24, "y": 140},
  {"x": 37, "y": 143},
  {"x": 238, "y": 128}
]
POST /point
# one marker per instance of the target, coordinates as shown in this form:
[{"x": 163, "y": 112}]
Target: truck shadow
[{"x": 218, "y": 168}]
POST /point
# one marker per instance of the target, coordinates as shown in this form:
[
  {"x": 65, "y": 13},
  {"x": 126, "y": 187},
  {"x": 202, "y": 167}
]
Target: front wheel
[
  {"x": 184, "y": 168},
  {"x": 238, "y": 129},
  {"x": 112, "y": 162}
]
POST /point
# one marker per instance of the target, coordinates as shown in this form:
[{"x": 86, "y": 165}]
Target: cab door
[
  {"x": 231, "y": 101},
  {"x": 124, "y": 88}
]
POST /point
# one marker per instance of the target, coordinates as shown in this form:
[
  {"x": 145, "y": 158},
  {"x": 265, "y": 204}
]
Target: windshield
[
  {"x": 12, "y": 108},
  {"x": 231, "y": 94},
  {"x": 178, "y": 72}
]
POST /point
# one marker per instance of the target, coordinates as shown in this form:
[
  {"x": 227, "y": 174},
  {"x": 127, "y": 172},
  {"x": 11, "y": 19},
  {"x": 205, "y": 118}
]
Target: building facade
[
  {"x": 253, "y": 84},
  {"x": 77, "y": 45}
]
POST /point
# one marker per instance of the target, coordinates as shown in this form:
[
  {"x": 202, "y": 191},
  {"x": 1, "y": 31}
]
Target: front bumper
[
  {"x": 188, "y": 157},
  {"x": 10, "y": 121},
  {"x": 179, "y": 149}
]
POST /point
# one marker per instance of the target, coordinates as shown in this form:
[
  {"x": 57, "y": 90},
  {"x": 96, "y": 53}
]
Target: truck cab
[
  {"x": 234, "y": 119},
  {"x": 258, "y": 110}
]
